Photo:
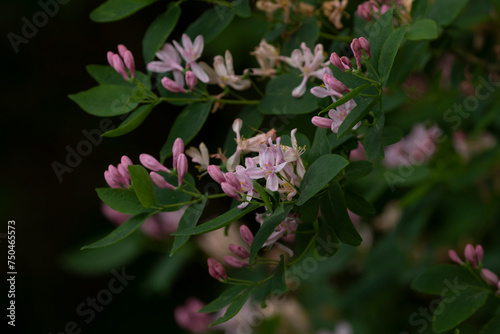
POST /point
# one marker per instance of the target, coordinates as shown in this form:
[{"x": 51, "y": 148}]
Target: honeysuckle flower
[
  {"x": 241, "y": 252},
  {"x": 177, "y": 149},
  {"x": 216, "y": 174},
  {"x": 270, "y": 7},
  {"x": 216, "y": 270},
  {"x": 473, "y": 255},
  {"x": 334, "y": 10},
  {"x": 191, "y": 80},
  {"x": 357, "y": 45},
  {"x": 223, "y": 73},
  {"x": 308, "y": 63},
  {"x": 172, "y": 85},
  {"x": 337, "y": 117},
  {"x": 234, "y": 262},
  {"x": 182, "y": 167},
  {"x": 160, "y": 181},
  {"x": 452, "y": 254},
  {"x": 119, "y": 61},
  {"x": 190, "y": 52},
  {"x": 200, "y": 156},
  {"x": 117, "y": 177},
  {"x": 343, "y": 63},
  {"x": 268, "y": 168},
  {"x": 230, "y": 190},
  {"x": 267, "y": 56},
  {"x": 489, "y": 277},
  {"x": 246, "y": 234},
  {"x": 188, "y": 318},
  {"x": 169, "y": 60},
  {"x": 292, "y": 154},
  {"x": 370, "y": 10},
  {"x": 151, "y": 163}
]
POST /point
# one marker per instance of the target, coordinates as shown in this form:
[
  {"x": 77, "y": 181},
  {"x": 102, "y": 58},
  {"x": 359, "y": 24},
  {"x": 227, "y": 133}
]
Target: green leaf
[
  {"x": 106, "y": 100},
  {"x": 373, "y": 138},
  {"x": 388, "y": 53},
  {"x": 391, "y": 135},
  {"x": 276, "y": 285},
  {"x": 358, "y": 204},
  {"x": 322, "y": 171},
  {"x": 493, "y": 326},
  {"x": 334, "y": 211},
  {"x": 189, "y": 220},
  {"x": 221, "y": 221},
  {"x": 171, "y": 197},
  {"x": 267, "y": 228},
  {"x": 278, "y": 99},
  {"x": 122, "y": 231},
  {"x": 444, "y": 12},
  {"x": 349, "y": 96},
  {"x": 121, "y": 200},
  {"x": 363, "y": 106},
  {"x": 309, "y": 210},
  {"x": 106, "y": 75},
  {"x": 210, "y": 24},
  {"x": 142, "y": 185},
  {"x": 242, "y": 8},
  {"x": 358, "y": 169},
  {"x": 425, "y": 29},
  {"x": 224, "y": 299},
  {"x": 320, "y": 146},
  {"x": 252, "y": 119},
  {"x": 186, "y": 126},
  {"x": 235, "y": 307},
  {"x": 132, "y": 122},
  {"x": 158, "y": 31},
  {"x": 378, "y": 34},
  {"x": 308, "y": 32},
  {"x": 114, "y": 10},
  {"x": 263, "y": 194},
  {"x": 435, "y": 279}
]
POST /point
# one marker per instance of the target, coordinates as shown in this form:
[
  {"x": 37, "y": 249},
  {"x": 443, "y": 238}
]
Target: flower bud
[
  {"x": 216, "y": 174},
  {"x": 234, "y": 262},
  {"x": 322, "y": 122},
  {"x": 335, "y": 60},
  {"x": 122, "y": 49},
  {"x": 479, "y": 253},
  {"x": 126, "y": 161},
  {"x": 114, "y": 174},
  {"x": 470, "y": 255},
  {"x": 123, "y": 171},
  {"x": 191, "y": 80},
  {"x": 335, "y": 84},
  {"x": 489, "y": 277},
  {"x": 454, "y": 256},
  {"x": 216, "y": 270},
  {"x": 246, "y": 234},
  {"x": 365, "y": 45},
  {"x": 119, "y": 67},
  {"x": 241, "y": 252},
  {"x": 356, "y": 50},
  {"x": 230, "y": 191},
  {"x": 177, "y": 149},
  {"x": 128, "y": 58},
  {"x": 110, "y": 58},
  {"x": 160, "y": 181},
  {"x": 233, "y": 180},
  {"x": 111, "y": 181},
  {"x": 182, "y": 167},
  {"x": 172, "y": 86},
  {"x": 151, "y": 163},
  {"x": 346, "y": 62}
]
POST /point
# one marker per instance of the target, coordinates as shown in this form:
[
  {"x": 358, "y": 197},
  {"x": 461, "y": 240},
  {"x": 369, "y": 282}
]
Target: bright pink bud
[
  {"x": 335, "y": 84},
  {"x": 114, "y": 174},
  {"x": 119, "y": 67},
  {"x": 454, "y": 256},
  {"x": 479, "y": 253},
  {"x": 151, "y": 163},
  {"x": 346, "y": 62},
  {"x": 216, "y": 270},
  {"x": 356, "y": 50},
  {"x": 122, "y": 49},
  {"x": 182, "y": 167},
  {"x": 246, "y": 234},
  {"x": 322, "y": 122},
  {"x": 384, "y": 8},
  {"x": 216, "y": 173},
  {"x": 191, "y": 80},
  {"x": 239, "y": 251},
  {"x": 124, "y": 173},
  {"x": 128, "y": 58},
  {"x": 188, "y": 318},
  {"x": 172, "y": 86},
  {"x": 229, "y": 190},
  {"x": 177, "y": 149},
  {"x": 126, "y": 161},
  {"x": 489, "y": 277},
  {"x": 470, "y": 255},
  {"x": 111, "y": 181},
  {"x": 110, "y": 58},
  {"x": 335, "y": 60},
  {"x": 233, "y": 180},
  {"x": 234, "y": 262},
  {"x": 364, "y": 11},
  {"x": 365, "y": 45},
  {"x": 160, "y": 181}
]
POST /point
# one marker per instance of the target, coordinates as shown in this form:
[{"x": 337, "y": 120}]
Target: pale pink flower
[
  {"x": 190, "y": 52},
  {"x": 182, "y": 167},
  {"x": 191, "y": 80},
  {"x": 169, "y": 60},
  {"x": 467, "y": 147},
  {"x": 216, "y": 270},
  {"x": 334, "y": 10},
  {"x": 489, "y": 277},
  {"x": 234, "y": 262},
  {"x": 268, "y": 168},
  {"x": 337, "y": 117},
  {"x": 188, "y": 318},
  {"x": 267, "y": 56},
  {"x": 452, "y": 254},
  {"x": 216, "y": 174},
  {"x": 223, "y": 73},
  {"x": 160, "y": 181},
  {"x": 270, "y": 7},
  {"x": 151, "y": 163},
  {"x": 172, "y": 85},
  {"x": 199, "y": 156}
]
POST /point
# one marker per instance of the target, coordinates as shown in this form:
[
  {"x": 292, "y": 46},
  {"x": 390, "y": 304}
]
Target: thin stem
[
  {"x": 340, "y": 38},
  {"x": 305, "y": 250},
  {"x": 178, "y": 204},
  {"x": 237, "y": 101},
  {"x": 217, "y": 196},
  {"x": 190, "y": 192},
  {"x": 254, "y": 85},
  {"x": 375, "y": 72}
]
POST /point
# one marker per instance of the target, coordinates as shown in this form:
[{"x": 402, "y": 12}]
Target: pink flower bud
[
  {"x": 246, "y": 234},
  {"x": 479, "y": 253},
  {"x": 188, "y": 318},
  {"x": 384, "y": 8},
  {"x": 346, "y": 62},
  {"x": 489, "y": 277},
  {"x": 177, "y": 149},
  {"x": 182, "y": 167},
  {"x": 151, "y": 163},
  {"x": 365, "y": 45},
  {"x": 122, "y": 49},
  {"x": 191, "y": 80},
  {"x": 128, "y": 58},
  {"x": 364, "y": 11},
  {"x": 239, "y": 251},
  {"x": 160, "y": 181},
  {"x": 498, "y": 287},
  {"x": 216, "y": 270},
  {"x": 216, "y": 174},
  {"x": 114, "y": 174},
  {"x": 470, "y": 255},
  {"x": 110, "y": 58},
  {"x": 356, "y": 50},
  {"x": 229, "y": 190},
  {"x": 335, "y": 60},
  {"x": 454, "y": 256},
  {"x": 111, "y": 181},
  {"x": 172, "y": 86},
  {"x": 233, "y": 180},
  {"x": 234, "y": 262},
  {"x": 126, "y": 161},
  {"x": 335, "y": 84},
  {"x": 119, "y": 67},
  {"x": 124, "y": 173},
  {"x": 322, "y": 122}
]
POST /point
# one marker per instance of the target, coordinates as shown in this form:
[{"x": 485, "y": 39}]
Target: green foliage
[
  {"x": 210, "y": 24},
  {"x": 114, "y": 10},
  {"x": 444, "y": 12},
  {"x": 142, "y": 185},
  {"x": 236, "y": 305},
  {"x": 132, "y": 121},
  {"x": 121, "y": 200},
  {"x": 422, "y": 30},
  {"x": 388, "y": 53},
  {"x": 307, "y": 32},
  {"x": 106, "y": 100},
  {"x": 158, "y": 32},
  {"x": 189, "y": 220}
]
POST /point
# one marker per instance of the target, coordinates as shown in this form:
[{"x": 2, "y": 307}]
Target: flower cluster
[
  {"x": 122, "y": 59},
  {"x": 474, "y": 257}
]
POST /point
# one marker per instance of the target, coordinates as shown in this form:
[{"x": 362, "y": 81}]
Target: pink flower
[
  {"x": 241, "y": 252},
  {"x": 343, "y": 63},
  {"x": 172, "y": 85},
  {"x": 177, "y": 149},
  {"x": 169, "y": 60},
  {"x": 160, "y": 181},
  {"x": 268, "y": 168},
  {"x": 230, "y": 190},
  {"x": 223, "y": 73},
  {"x": 117, "y": 61},
  {"x": 246, "y": 234},
  {"x": 216, "y": 270},
  {"x": 118, "y": 177},
  {"x": 454, "y": 257},
  {"x": 188, "y": 318},
  {"x": 216, "y": 174},
  {"x": 267, "y": 56},
  {"x": 191, "y": 80},
  {"x": 182, "y": 167},
  {"x": 190, "y": 52},
  {"x": 489, "y": 277},
  {"x": 337, "y": 117},
  {"x": 151, "y": 163}
]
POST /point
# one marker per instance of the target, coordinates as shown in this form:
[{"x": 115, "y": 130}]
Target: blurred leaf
[
  {"x": 162, "y": 276},
  {"x": 358, "y": 204},
  {"x": 159, "y": 30},
  {"x": 307, "y": 33},
  {"x": 121, "y": 232},
  {"x": 267, "y": 228},
  {"x": 235, "y": 307},
  {"x": 189, "y": 220},
  {"x": 106, "y": 100},
  {"x": 114, "y": 10},
  {"x": 363, "y": 106},
  {"x": 388, "y": 53},
  {"x": 170, "y": 197},
  {"x": 142, "y": 185},
  {"x": 435, "y": 279},
  {"x": 419, "y": 9},
  {"x": 320, "y": 146},
  {"x": 210, "y": 24},
  {"x": 317, "y": 176},
  {"x": 444, "y": 12},
  {"x": 425, "y": 29},
  {"x": 278, "y": 99},
  {"x": 224, "y": 299},
  {"x": 391, "y": 135},
  {"x": 372, "y": 142},
  {"x": 242, "y": 8},
  {"x": 132, "y": 122},
  {"x": 276, "y": 285},
  {"x": 186, "y": 126},
  {"x": 121, "y": 200},
  {"x": 252, "y": 120},
  {"x": 492, "y": 327},
  {"x": 334, "y": 211},
  {"x": 264, "y": 196},
  {"x": 358, "y": 169},
  {"x": 221, "y": 221},
  {"x": 309, "y": 210}
]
